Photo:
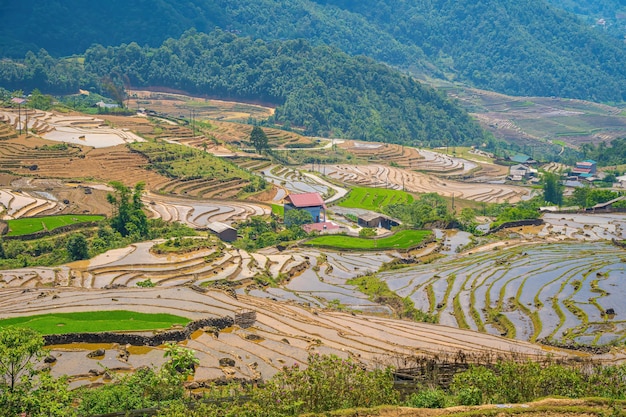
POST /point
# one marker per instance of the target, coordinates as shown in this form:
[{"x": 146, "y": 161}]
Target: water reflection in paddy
[{"x": 541, "y": 278}]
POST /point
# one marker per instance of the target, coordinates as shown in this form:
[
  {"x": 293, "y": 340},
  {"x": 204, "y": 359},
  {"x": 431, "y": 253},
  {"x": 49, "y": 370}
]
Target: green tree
[
  {"x": 367, "y": 232},
  {"x": 128, "y": 218},
  {"x": 24, "y": 388},
  {"x": 258, "y": 139},
  {"x": 77, "y": 247},
  {"x": 19, "y": 347},
  {"x": 39, "y": 101},
  {"x": 467, "y": 219},
  {"x": 552, "y": 188},
  {"x": 297, "y": 218},
  {"x": 428, "y": 208}
]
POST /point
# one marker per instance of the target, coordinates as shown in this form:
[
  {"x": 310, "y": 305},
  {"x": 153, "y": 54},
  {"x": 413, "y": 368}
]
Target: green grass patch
[
  {"x": 29, "y": 225},
  {"x": 404, "y": 239},
  {"x": 96, "y": 321},
  {"x": 374, "y": 198},
  {"x": 278, "y": 210}
]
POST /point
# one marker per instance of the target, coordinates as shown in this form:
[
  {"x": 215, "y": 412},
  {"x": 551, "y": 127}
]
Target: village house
[
  {"x": 223, "y": 231},
  {"x": 521, "y": 172},
  {"x": 375, "y": 220},
  {"x": 309, "y": 202},
  {"x": 588, "y": 167}
]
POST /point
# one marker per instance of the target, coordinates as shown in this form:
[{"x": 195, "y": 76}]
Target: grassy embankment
[{"x": 95, "y": 321}]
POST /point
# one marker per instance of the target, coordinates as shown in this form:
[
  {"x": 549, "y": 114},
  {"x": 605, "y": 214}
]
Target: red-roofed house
[{"x": 311, "y": 202}]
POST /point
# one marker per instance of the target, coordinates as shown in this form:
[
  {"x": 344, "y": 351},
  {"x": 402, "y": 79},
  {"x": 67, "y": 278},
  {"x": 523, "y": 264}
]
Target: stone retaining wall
[
  {"x": 519, "y": 223},
  {"x": 137, "y": 339}
]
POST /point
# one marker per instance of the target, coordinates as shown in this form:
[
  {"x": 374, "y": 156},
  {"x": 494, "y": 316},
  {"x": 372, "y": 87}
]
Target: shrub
[
  {"x": 328, "y": 383},
  {"x": 428, "y": 398}
]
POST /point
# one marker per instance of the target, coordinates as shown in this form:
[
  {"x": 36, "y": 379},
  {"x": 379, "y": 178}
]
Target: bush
[
  {"x": 470, "y": 396},
  {"x": 328, "y": 383},
  {"x": 428, "y": 398}
]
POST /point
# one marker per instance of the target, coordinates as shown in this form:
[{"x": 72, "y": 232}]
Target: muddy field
[
  {"x": 537, "y": 121},
  {"x": 284, "y": 333}
]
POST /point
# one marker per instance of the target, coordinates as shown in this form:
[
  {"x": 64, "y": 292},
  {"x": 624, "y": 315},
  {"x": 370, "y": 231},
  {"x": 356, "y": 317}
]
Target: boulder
[{"x": 227, "y": 362}]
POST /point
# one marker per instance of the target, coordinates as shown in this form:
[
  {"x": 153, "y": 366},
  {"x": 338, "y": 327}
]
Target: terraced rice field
[
  {"x": 294, "y": 180},
  {"x": 80, "y": 130},
  {"x": 16, "y": 204},
  {"x": 199, "y": 213},
  {"x": 284, "y": 332},
  {"x": 556, "y": 291},
  {"x": 38, "y": 158},
  {"x": 307, "y": 275},
  {"x": 25, "y": 226},
  {"x": 398, "y": 179},
  {"x": 375, "y": 198}
]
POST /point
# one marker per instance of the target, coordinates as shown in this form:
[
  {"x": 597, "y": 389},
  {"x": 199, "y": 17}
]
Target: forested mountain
[
  {"x": 322, "y": 89},
  {"x": 606, "y": 15},
  {"x": 519, "y": 47}
]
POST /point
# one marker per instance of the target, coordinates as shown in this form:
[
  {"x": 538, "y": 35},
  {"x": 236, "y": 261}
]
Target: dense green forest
[
  {"x": 321, "y": 89},
  {"x": 606, "y": 15},
  {"x": 519, "y": 47},
  {"x": 525, "y": 47}
]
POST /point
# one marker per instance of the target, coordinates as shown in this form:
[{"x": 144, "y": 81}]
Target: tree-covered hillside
[
  {"x": 519, "y": 47},
  {"x": 321, "y": 89},
  {"x": 608, "y": 16}
]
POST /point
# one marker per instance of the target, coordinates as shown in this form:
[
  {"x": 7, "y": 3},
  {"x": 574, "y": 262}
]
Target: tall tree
[
  {"x": 258, "y": 139},
  {"x": 552, "y": 188},
  {"x": 18, "y": 349},
  {"x": 128, "y": 215},
  {"x": 77, "y": 247}
]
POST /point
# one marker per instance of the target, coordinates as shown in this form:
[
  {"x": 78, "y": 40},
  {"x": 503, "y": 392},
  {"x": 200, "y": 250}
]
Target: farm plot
[
  {"x": 294, "y": 181},
  {"x": 398, "y": 179},
  {"x": 80, "y": 130},
  {"x": 320, "y": 275},
  {"x": 37, "y": 157},
  {"x": 375, "y": 199},
  {"x": 199, "y": 213},
  {"x": 26, "y": 226},
  {"x": 587, "y": 227},
  {"x": 403, "y": 239},
  {"x": 21, "y": 204},
  {"x": 283, "y": 333},
  {"x": 557, "y": 292}
]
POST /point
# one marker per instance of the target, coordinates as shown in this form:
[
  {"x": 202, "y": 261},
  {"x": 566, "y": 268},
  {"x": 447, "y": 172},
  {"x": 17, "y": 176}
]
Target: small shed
[
  {"x": 223, "y": 231},
  {"x": 607, "y": 206},
  {"x": 377, "y": 220},
  {"x": 310, "y": 202}
]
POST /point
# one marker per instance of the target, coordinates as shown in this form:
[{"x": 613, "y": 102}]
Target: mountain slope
[
  {"x": 521, "y": 47},
  {"x": 320, "y": 89}
]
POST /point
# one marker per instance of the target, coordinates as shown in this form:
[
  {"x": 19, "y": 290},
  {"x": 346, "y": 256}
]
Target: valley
[{"x": 531, "y": 290}]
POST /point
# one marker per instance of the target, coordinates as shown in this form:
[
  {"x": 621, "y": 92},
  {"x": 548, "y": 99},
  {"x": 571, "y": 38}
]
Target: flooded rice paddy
[{"x": 554, "y": 291}]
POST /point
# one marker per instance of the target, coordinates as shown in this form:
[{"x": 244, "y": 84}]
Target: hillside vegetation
[
  {"x": 320, "y": 89},
  {"x": 517, "y": 47}
]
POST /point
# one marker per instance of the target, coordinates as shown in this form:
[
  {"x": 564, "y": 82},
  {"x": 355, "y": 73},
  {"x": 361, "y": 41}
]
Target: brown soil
[{"x": 24, "y": 156}]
